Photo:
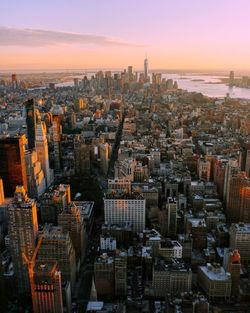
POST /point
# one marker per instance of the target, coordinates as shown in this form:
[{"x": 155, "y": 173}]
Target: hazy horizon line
[{"x": 114, "y": 69}]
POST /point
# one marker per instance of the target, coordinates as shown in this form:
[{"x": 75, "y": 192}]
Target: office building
[
  {"x": 186, "y": 242},
  {"x": 31, "y": 122},
  {"x": 171, "y": 209},
  {"x": 104, "y": 157},
  {"x": 107, "y": 243},
  {"x": 87, "y": 213},
  {"x": 174, "y": 278},
  {"x": 204, "y": 169},
  {"x": 169, "y": 249},
  {"x": 119, "y": 184},
  {"x": 231, "y": 78},
  {"x": 53, "y": 201},
  {"x": 81, "y": 156},
  {"x": 146, "y": 70},
  {"x": 121, "y": 207},
  {"x": 104, "y": 276},
  {"x": 36, "y": 183},
  {"x": 198, "y": 228},
  {"x": 41, "y": 144},
  {"x": 56, "y": 134},
  {"x": 215, "y": 282},
  {"x": 23, "y": 229},
  {"x": 121, "y": 273},
  {"x": 71, "y": 221},
  {"x": 237, "y": 183},
  {"x": 245, "y": 205},
  {"x": 239, "y": 240},
  {"x": 247, "y": 166},
  {"x": 57, "y": 246},
  {"x": 1, "y": 192},
  {"x": 245, "y": 158},
  {"x": 121, "y": 232},
  {"x": 130, "y": 73},
  {"x": 46, "y": 288},
  {"x": 79, "y": 104},
  {"x": 12, "y": 169},
  {"x": 14, "y": 83},
  {"x": 232, "y": 264}
]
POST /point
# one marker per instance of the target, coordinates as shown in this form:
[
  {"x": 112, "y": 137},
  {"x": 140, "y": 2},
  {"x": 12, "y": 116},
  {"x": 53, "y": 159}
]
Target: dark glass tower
[
  {"x": 31, "y": 122},
  {"x": 12, "y": 169}
]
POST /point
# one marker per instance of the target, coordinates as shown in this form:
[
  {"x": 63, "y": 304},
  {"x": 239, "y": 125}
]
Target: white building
[
  {"x": 107, "y": 243},
  {"x": 121, "y": 208},
  {"x": 239, "y": 240}
]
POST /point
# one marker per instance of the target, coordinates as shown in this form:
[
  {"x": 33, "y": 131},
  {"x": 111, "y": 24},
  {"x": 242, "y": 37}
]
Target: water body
[{"x": 210, "y": 86}]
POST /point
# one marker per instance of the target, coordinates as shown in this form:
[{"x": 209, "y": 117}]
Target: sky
[{"x": 91, "y": 34}]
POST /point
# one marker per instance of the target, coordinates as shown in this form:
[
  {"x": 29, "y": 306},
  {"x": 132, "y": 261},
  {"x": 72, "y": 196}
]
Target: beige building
[
  {"x": 120, "y": 184},
  {"x": 170, "y": 279},
  {"x": 42, "y": 150},
  {"x": 215, "y": 282},
  {"x": 36, "y": 182},
  {"x": 104, "y": 157}
]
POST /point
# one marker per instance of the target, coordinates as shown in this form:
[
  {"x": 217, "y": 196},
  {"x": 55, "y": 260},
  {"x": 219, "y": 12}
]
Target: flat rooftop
[
  {"x": 241, "y": 227},
  {"x": 85, "y": 207},
  {"x": 215, "y": 272}
]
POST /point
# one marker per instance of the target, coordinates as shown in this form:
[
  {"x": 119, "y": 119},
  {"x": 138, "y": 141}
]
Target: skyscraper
[
  {"x": 57, "y": 246},
  {"x": 31, "y": 122},
  {"x": 56, "y": 126},
  {"x": 171, "y": 209},
  {"x": 146, "y": 69},
  {"x": 46, "y": 287},
  {"x": 130, "y": 73},
  {"x": 231, "y": 78},
  {"x": 12, "y": 169},
  {"x": 1, "y": 192},
  {"x": 42, "y": 150},
  {"x": 237, "y": 183},
  {"x": 23, "y": 229},
  {"x": 14, "y": 81},
  {"x": 232, "y": 265},
  {"x": 245, "y": 205},
  {"x": 121, "y": 273},
  {"x": 36, "y": 184},
  {"x": 70, "y": 220}
]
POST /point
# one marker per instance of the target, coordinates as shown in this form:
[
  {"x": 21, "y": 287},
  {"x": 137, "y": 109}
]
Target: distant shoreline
[{"x": 181, "y": 72}]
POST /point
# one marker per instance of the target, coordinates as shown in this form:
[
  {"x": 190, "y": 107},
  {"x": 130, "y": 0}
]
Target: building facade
[
  {"x": 121, "y": 208},
  {"x": 23, "y": 230},
  {"x": 46, "y": 288}
]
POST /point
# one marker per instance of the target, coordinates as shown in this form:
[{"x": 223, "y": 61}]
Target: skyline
[{"x": 81, "y": 35}]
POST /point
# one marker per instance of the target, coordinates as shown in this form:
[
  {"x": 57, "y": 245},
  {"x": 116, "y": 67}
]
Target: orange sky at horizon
[{"x": 63, "y": 57}]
